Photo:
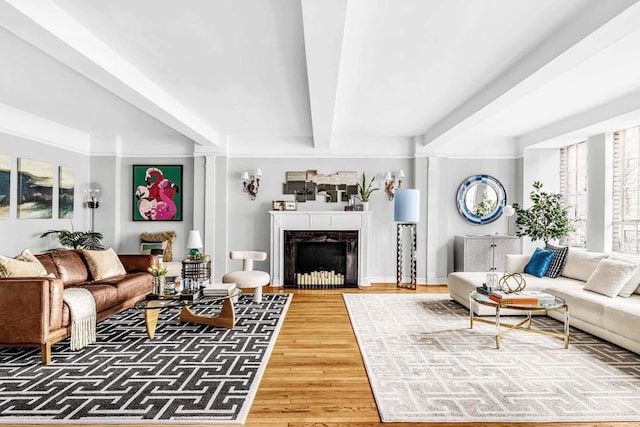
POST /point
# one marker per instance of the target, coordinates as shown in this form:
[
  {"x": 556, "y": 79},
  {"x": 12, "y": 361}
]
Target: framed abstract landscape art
[
  {"x": 5, "y": 185},
  {"x": 66, "y": 184},
  {"x": 35, "y": 189},
  {"x": 157, "y": 192}
]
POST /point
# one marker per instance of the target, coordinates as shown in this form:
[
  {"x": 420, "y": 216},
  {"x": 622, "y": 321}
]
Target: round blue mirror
[{"x": 481, "y": 199}]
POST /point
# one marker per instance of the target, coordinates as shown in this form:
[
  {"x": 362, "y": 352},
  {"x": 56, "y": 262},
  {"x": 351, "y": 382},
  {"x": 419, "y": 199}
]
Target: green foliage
[
  {"x": 77, "y": 239},
  {"x": 546, "y": 219},
  {"x": 485, "y": 207},
  {"x": 364, "y": 189}
]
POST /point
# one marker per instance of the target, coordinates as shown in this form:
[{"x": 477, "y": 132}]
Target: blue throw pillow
[{"x": 539, "y": 262}]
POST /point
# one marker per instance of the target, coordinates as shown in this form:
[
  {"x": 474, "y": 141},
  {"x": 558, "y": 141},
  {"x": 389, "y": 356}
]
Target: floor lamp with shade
[{"x": 406, "y": 214}]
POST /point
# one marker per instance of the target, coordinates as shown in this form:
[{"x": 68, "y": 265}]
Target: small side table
[{"x": 196, "y": 269}]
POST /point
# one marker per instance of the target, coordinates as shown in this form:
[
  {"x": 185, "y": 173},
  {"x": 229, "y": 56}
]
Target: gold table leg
[{"x": 151, "y": 321}]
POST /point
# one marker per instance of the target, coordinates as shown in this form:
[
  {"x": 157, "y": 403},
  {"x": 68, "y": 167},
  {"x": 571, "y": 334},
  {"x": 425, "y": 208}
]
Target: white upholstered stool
[{"x": 248, "y": 278}]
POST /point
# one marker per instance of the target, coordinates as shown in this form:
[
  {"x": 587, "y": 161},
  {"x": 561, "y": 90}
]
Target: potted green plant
[
  {"x": 77, "y": 239},
  {"x": 365, "y": 190},
  {"x": 546, "y": 219}
]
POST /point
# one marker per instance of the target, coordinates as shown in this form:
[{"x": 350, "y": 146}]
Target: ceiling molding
[
  {"x": 43, "y": 24},
  {"x": 29, "y": 126},
  {"x": 618, "y": 114},
  {"x": 323, "y": 24},
  {"x": 599, "y": 25}
]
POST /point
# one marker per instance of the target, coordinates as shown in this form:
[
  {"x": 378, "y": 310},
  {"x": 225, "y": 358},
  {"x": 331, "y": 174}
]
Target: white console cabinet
[{"x": 483, "y": 253}]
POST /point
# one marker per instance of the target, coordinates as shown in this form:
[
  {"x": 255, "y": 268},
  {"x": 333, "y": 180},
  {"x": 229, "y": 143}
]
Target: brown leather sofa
[{"x": 32, "y": 312}]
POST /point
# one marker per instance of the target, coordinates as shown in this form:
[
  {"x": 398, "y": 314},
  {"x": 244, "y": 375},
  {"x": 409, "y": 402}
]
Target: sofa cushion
[
  {"x": 610, "y": 277},
  {"x": 629, "y": 288},
  {"x": 104, "y": 264},
  {"x": 71, "y": 267},
  {"x": 586, "y": 306},
  {"x": 539, "y": 262},
  {"x": 130, "y": 286},
  {"x": 622, "y": 317},
  {"x": 105, "y": 296},
  {"x": 24, "y": 265},
  {"x": 558, "y": 261},
  {"x": 580, "y": 264}
]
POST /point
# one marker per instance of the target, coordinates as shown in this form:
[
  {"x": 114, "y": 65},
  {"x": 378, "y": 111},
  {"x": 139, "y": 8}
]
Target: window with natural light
[
  {"x": 573, "y": 189},
  {"x": 626, "y": 190}
]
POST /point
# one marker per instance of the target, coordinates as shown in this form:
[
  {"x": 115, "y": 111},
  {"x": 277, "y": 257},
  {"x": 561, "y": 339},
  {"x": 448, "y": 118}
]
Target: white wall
[
  {"x": 454, "y": 172},
  {"x": 130, "y": 230},
  {"x": 17, "y": 234},
  {"x": 248, "y": 221},
  {"x": 539, "y": 165}
]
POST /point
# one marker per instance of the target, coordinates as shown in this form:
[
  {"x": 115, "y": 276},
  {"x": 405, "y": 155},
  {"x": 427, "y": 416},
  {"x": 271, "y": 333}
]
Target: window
[
  {"x": 573, "y": 189},
  {"x": 626, "y": 187}
]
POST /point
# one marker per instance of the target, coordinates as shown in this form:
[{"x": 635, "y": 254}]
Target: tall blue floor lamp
[{"x": 406, "y": 213}]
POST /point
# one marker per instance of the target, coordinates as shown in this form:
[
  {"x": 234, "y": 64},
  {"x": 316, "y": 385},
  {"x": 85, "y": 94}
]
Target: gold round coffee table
[{"x": 525, "y": 325}]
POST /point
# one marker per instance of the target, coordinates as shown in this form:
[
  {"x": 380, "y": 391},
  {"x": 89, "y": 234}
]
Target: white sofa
[{"x": 614, "y": 319}]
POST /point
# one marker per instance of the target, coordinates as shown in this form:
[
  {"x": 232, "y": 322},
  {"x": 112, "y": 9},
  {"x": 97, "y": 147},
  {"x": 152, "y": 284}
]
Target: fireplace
[
  {"x": 321, "y": 259},
  {"x": 331, "y": 221}
]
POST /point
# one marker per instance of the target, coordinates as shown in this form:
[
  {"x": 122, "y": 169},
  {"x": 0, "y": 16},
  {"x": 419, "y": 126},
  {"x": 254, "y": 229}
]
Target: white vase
[{"x": 365, "y": 206}]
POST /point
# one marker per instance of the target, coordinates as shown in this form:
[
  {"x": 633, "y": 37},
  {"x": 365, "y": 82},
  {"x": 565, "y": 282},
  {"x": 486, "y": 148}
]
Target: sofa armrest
[
  {"x": 29, "y": 309},
  {"x": 138, "y": 263},
  {"x": 515, "y": 263}
]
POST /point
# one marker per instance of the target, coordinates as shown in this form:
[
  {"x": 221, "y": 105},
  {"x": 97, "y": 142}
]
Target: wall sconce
[
  {"x": 390, "y": 182},
  {"x": 251, "y": 184},
  {"x": 92, "y": 194}
]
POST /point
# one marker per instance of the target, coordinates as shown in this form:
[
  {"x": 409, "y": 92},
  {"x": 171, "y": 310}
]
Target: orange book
[{"x": 514, "y": 301}]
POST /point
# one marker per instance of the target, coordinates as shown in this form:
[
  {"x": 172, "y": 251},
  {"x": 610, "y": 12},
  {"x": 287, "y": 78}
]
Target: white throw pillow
[
  {"x": 515, "y": 263},
  {"x": 633, "y": 283},
  {"x": 580, "y": 264},
  {"x": 103, "y": 264},
  {"x": 24, "y": 265},
  {"x": 610, "y": 277}
]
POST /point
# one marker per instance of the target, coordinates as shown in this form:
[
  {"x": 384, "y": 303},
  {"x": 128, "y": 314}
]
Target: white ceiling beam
[
  {"x": 599, "y": 25},
  {"x": 323, "y": 23},
  {"x": 620, "y": 113},
  {"x": 45, "y": 25}
]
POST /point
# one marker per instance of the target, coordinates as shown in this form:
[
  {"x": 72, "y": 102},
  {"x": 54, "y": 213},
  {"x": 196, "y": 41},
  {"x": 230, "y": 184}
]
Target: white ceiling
[{"x": 314, "y": 77}]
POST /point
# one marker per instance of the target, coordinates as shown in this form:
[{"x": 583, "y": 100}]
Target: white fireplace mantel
[{"x": 320, "y": 220}]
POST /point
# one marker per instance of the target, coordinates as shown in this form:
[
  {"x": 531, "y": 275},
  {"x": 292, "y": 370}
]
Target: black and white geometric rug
[
  {"x": 425, "y": 365},
  {"x": 188, "y": 374}
]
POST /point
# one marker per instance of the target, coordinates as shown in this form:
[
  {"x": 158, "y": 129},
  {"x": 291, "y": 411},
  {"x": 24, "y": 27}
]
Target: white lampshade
[
  {"x": 387, "y": 177},
  {"x": 400, "y": 174},
  {"x": 258, "y": 173},
  {"x": 406, "y": 205},
  {"x": 194, "y": 241},
  {"x": 245, "y": 176},
  {"x": 508, "y": 210}
]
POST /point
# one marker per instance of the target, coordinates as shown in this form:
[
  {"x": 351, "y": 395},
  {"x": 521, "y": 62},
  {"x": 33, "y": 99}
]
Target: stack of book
[
  {"x": 521, "y": 298},
  {"x": 218, "y": 289}
]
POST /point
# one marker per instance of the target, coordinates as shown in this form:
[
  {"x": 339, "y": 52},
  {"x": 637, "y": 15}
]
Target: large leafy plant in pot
[
  {"x": 546, "y": 219},
  {"x": 77, "y": 239}
]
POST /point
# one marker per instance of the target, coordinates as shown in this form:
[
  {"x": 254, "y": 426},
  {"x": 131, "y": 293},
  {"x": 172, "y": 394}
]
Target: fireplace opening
[{"x": 321, "y": 259}]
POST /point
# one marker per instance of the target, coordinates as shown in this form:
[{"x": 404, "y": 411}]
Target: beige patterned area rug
[{"x": 425, "y": 365}]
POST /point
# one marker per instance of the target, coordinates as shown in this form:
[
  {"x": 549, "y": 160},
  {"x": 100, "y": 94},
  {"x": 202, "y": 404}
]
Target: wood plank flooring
[{"x": 316, "y": 376}]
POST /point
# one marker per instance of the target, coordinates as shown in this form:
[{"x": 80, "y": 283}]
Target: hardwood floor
[{"x": 316, "y": 376}]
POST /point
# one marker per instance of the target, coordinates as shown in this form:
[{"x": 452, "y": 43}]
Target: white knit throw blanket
[{"x": 82, "y": 309}]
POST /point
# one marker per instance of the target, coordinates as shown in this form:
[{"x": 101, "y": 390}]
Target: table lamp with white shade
[
  {"x": 508, "y": 211},
  {"x": 194, "y": 244}
]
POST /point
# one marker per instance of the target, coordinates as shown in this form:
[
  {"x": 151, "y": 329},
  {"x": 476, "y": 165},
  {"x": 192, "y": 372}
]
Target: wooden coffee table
[
  {"x": 225, "y": 319},
  {"x": 524, "y": 325}
]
